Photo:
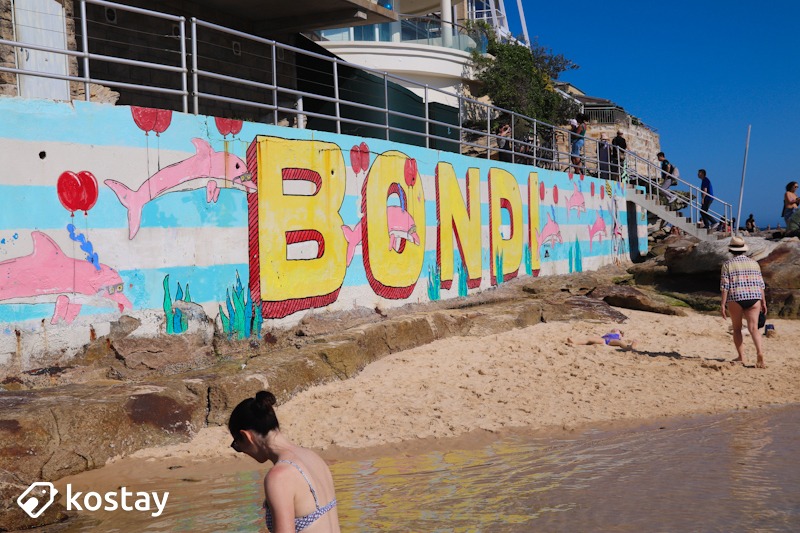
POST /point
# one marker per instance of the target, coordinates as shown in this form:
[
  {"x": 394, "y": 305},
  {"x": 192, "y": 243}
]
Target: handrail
[{"x": 543, "y": 145}]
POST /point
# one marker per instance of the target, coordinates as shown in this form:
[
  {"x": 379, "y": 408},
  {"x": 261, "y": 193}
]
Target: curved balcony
[{"x": 413, "y": 30}]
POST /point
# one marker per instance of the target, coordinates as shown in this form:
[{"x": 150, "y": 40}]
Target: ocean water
[{"x": 727, "y": 473}]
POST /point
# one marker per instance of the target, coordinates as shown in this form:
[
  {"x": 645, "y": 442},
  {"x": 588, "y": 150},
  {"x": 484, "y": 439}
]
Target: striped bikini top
[{"x": 304, "y": 521}]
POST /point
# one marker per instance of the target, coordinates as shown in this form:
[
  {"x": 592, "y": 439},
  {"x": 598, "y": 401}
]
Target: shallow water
[{"x": 735, "y": 472}]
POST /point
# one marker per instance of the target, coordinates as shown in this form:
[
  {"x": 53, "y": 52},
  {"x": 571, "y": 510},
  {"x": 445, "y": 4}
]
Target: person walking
[
  {"x": 299, "y": 487},
  {"x": 667, "y": 173},
  {"x": 742, "y": 288},
  {"x": 706, "y": 197}
]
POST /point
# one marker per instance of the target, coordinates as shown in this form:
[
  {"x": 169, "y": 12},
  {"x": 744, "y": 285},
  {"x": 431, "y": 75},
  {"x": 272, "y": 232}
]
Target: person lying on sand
[{"x": 612, "y": 339}]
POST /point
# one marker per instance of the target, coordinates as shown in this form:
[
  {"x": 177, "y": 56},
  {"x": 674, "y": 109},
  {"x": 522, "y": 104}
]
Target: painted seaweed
[
  {"x": 243, "y": 319},
  {"x": 177, "y": 322},
  {"x": 462, "y": 277},
  {"x": 498, "y": 264},
  {"x": 434, "y": 283}
]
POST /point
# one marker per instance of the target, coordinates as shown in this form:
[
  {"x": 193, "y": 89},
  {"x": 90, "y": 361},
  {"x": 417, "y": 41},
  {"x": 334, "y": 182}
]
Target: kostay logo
[{"x": 39, "y": 496}]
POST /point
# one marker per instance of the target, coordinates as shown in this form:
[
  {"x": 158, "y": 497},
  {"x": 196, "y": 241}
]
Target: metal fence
[
  {"x": 527, "y": 141},
  {"x": 606, "y": 115}
]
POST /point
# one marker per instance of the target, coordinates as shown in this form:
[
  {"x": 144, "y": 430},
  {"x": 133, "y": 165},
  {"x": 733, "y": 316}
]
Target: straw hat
[
  {"x": 737, "y": 244},
  {"x": 604, "y": 136}
]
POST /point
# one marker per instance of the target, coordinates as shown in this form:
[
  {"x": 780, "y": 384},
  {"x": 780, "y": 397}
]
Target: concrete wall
[{"x": 176, "y": 228}]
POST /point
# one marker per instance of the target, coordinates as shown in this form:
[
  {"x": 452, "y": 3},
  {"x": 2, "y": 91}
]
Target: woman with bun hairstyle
[{"x": 299, "y": 487}]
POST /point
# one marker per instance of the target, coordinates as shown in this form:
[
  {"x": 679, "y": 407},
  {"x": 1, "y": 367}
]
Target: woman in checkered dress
[{"x": 743, "y": 295}]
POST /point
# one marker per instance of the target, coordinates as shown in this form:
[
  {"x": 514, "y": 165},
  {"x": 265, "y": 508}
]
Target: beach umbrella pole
[{"x": 741, "y": 190}]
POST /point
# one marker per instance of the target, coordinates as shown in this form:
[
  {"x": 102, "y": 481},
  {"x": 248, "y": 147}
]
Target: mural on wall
[
  {"x": 576, "y": 201},
  {"x": 47, "y": 275},
  {"x": 597, "y": 229},
  {"x": 318, "y": 226},
  {"x": 202, "y": 170}
]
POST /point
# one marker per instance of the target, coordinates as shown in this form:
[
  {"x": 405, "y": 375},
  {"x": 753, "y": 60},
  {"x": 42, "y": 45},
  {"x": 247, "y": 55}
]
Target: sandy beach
[{"x": 530, "y": 378}]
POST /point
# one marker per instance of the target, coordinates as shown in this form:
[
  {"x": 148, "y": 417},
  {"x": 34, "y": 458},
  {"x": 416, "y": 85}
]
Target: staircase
[{"x": 651, "y": 204}]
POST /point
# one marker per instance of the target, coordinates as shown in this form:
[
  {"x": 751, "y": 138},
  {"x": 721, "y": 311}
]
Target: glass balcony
[{"x": 414, "y": 30}]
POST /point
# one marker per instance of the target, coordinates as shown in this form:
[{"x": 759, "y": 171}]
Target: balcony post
[
  {"x": 85, "y": 43},
  {"x": 447, "y": 26}
]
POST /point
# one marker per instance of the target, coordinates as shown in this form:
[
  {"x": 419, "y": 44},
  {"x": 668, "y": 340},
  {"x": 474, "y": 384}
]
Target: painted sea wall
[{"x": 170, "y": 218}]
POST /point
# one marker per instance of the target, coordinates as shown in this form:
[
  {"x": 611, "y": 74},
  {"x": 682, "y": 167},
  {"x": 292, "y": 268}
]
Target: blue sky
[{"x": 699, "y": 72}]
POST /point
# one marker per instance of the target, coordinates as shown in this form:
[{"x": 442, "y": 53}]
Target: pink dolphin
[
  {"x": 401, "y": 226},
  {"x": 576, "y": 202},
  {"x": 48, "y": 275},
  {"x": 201, "y": 169},
  {"x": 550, "y": 232},
  {"x": 598, "y": 228}
]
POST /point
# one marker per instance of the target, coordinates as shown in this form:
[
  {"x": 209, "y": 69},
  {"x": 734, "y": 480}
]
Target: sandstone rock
[
  {"x": 685, "y": 257},
  {"x": 51, "y": 433},
  {"x": 101, "y": 346},
  {"x": 650, "y": 271},
  {"x": 564, "y": 307},
  {"x": 630, "y": 298},
  {"x": 781, "y": 268},
  {"x": 573, "y": 284},
  {"x": 784, "y": 303},
  {"x": 700, "y": 301},
  {"x": 167, "y": 354}
]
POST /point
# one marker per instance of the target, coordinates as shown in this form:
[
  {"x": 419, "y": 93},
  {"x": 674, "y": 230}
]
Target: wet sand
[{"x": 530, "y": 378}]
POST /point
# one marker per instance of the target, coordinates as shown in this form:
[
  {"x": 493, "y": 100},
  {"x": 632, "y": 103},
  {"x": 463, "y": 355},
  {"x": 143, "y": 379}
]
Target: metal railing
[
  {"x": 414, "y": 30},
  {"x": 606, "y": 115},
  {"x": 470, "y": 133},
  {"x": 87, "y": 79}
]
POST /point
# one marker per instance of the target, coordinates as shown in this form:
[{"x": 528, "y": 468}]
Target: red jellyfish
[
  {"x": 602, "y": 193},
  {"x": 541, "y": 191},
  {"x": 555, "y": 194},
  {"x": 163, "y": 120},
  {"x": 410, "y": 172},
  {"x": 592, "y": 189},
  {"x": 145, "y": 118}
]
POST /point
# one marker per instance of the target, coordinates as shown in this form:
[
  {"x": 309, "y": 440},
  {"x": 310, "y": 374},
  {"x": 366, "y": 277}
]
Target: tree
[{"x": 521, "y": 79}]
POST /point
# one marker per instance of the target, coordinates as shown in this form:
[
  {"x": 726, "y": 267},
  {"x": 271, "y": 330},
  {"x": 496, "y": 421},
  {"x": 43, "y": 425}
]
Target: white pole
[
  {"x": 741, "y": 190},
  {"x": 525, "y": 26},
  {"x": 447, "y": 18}
]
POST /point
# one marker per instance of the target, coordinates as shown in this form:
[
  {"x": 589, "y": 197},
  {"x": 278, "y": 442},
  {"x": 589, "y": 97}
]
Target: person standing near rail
[{"x": 617, "y": 155}]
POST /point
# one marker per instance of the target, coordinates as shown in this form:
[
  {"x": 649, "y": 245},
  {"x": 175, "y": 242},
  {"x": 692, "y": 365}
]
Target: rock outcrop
[{"x": 630, "y": 298}]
